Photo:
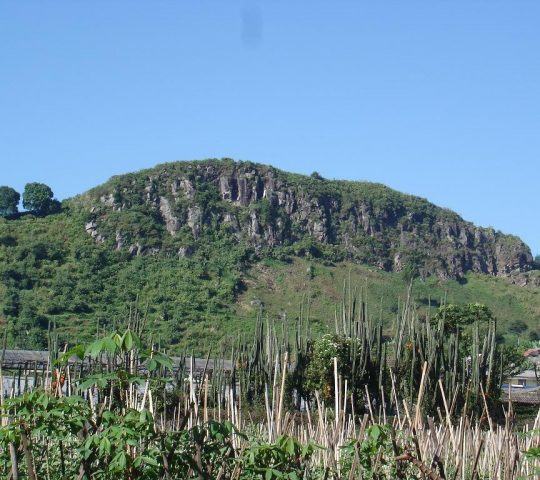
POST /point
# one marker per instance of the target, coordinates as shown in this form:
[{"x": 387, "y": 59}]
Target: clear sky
[{"x": 436, "y": 98}]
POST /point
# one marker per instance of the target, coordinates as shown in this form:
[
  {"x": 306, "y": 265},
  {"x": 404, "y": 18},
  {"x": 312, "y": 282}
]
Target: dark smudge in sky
[{"x": 251, "y": 26}]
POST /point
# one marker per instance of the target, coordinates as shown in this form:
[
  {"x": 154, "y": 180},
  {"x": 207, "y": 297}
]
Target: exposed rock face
[
  {"x": 526, "y": 279},
  {"x": 194, "y": 218},
  {"x": 92, "y": 229},
  {"x": 119, "y": 241},
  {"x": 171, "y": 221},
  {"x": 185, "y": 252},
  {"x": 268, "y": 209}
]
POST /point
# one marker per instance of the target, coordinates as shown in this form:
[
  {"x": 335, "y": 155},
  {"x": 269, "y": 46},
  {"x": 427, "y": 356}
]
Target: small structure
[
  {"x": 24, "y": 359},
  {"x": 532, "y": 354},
  {"x": 22, "y": 370},
  {"x": 525, "y": 380},
  {"x": 524, "y": 387},
  {"x": 29, "y": 360}
]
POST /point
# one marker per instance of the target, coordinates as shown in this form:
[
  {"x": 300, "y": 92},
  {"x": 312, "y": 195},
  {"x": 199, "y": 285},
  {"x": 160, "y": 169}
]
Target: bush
[
  {"x": 319, "y": 373},
  {"x": 517, "y": 327}
]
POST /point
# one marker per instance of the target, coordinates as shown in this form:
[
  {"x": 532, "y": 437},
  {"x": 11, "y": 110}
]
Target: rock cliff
[{"x": 166, "y": 210}]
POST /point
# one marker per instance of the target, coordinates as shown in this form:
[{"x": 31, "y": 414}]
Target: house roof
[
  {"x": 27, "y": 358},
  {"x": 526, "y": 374},
  {"x": 24, "y": 356}
]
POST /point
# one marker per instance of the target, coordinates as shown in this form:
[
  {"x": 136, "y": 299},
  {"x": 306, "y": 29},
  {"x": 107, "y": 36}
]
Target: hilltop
[
  {"x": 268, "y": 209},
  {"x": 202, "y": 246}
]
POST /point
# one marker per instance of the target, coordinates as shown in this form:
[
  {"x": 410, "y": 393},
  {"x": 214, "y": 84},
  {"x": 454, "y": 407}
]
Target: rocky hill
[
  {"x": 274, "y": 211},
  {"x": 199, "y": 248}
]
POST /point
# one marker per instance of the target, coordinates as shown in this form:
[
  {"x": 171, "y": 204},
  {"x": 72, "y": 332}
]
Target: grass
[{"x": 282, "y": 286}]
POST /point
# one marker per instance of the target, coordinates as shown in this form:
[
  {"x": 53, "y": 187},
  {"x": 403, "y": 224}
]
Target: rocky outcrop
[
  {"x": 526, "y": 279},
  {"x": 92, "y": 229},
  {"x": 271, "y": 209},
  {"x": 194, "y": 220},
  {"x": 171, "y": 221}
]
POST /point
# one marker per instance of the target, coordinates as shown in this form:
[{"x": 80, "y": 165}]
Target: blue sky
[{"x": 436, "y": 98}]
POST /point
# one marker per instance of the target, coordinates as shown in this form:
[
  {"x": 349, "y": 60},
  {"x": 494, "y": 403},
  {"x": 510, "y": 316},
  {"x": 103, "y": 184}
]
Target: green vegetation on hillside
[
  {"x": 53, "y": 272},
  {"x": 281, "y": 287},
  {"x": 80, "y": 269}
]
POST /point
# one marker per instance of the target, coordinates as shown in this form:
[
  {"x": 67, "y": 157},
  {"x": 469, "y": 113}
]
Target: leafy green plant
[
  {"x": 320, "y": 368},
  {"x": 454, "y": 316},
  {"x": 45, "y": 429},
  {"x": 286, "y": 458},
  {"x": 373, "y": 457}
]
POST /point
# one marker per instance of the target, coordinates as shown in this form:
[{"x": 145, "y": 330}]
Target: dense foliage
[
  {"x": 63, "y": 438},
  {"x": 120, "y": 409},
  {"x": 82, "y": 268},
  {"x": 38, "y": 198},
  {"x": 52, "y": 272},
  {"x": 9, "y": 200}
]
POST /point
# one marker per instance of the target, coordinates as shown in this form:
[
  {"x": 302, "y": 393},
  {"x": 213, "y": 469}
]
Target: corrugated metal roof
[
  {"x": 22, "y": 357},
  {"x": 526, "y": 374}
]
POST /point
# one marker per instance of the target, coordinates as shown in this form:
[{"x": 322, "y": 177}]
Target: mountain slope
[
  {"x": 187, "y": 241},
  {"x": 173, "y": 204}
]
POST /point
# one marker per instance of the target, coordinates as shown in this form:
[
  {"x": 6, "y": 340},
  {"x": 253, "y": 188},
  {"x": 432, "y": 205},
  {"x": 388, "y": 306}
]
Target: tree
[
  {"x": 534, "y": 335},
  {"x": 517, "y": 327},
  {"x": 317, "y": 176},
  {"x": 9, "y": 199},
  {"x": 410, "y": 272},
  {"x": 38, "y": 198},
  {"x": 459, "y": 316},
  {"x": 29, "y": 328}
]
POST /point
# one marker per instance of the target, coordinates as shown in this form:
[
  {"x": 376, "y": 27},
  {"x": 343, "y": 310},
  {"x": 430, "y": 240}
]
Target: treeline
[{"x": 37, "y": 198}]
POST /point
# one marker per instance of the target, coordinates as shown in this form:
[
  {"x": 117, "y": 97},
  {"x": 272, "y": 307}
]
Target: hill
[{"x": 201, "y": 246}]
